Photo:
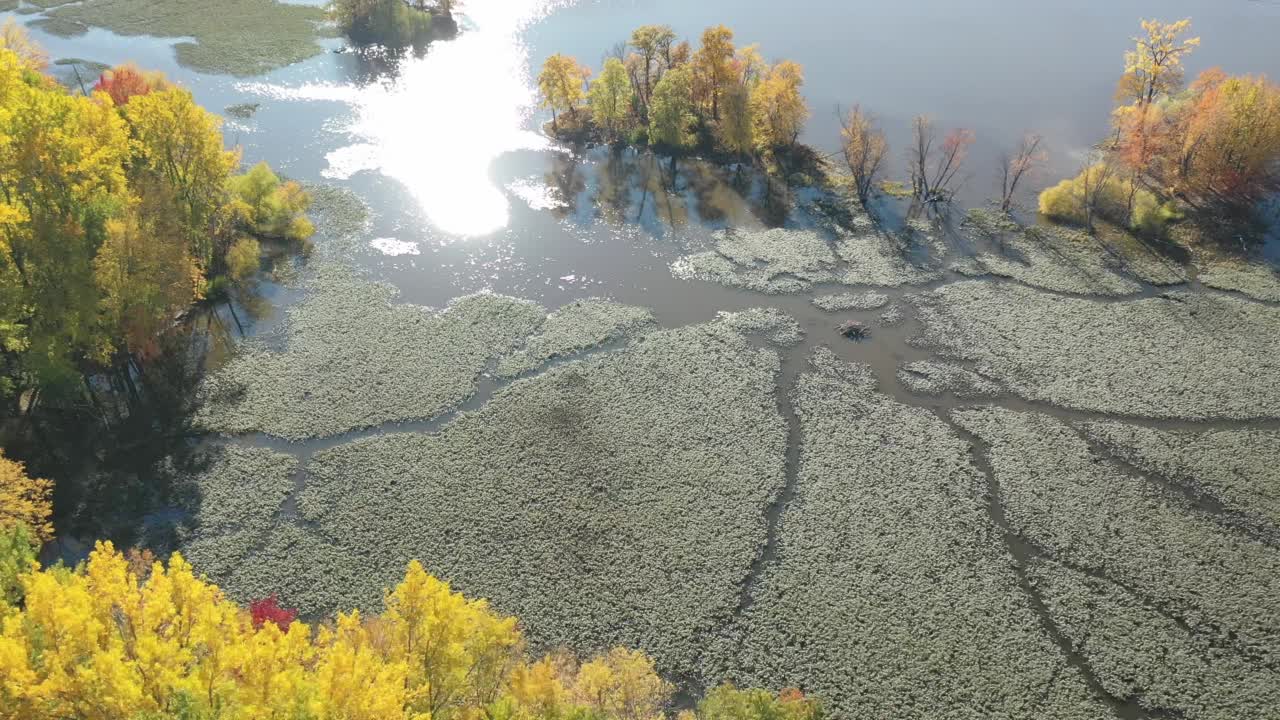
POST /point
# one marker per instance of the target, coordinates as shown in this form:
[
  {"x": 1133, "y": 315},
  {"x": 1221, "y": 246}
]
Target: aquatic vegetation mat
[
  {"x": 936, "y": 378},
  {"x": 1142, "y": 652},
  {"x": 619, "y": 498},
  {"x": 791, "y": 261},
  {"x": 1257, "y": 279},
  {"x": 891, "y": 594},
  {"x": 240, "y": 37},
  {"x": 851, "y": 301},
  {"x": 353, "y": 359},
  {"x": 577, "y": 326},
  {"x": 1238, "y": 469},
  {"x": 1179, "y": 355},
  {"x": 1159, "y": 548},
  {"x": 233, "y": 507}
]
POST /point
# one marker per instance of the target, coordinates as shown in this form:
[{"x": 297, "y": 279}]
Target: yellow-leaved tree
[
  {"x": 24, "y": 500},
  {"x": 562, "y": 86},
  {"x": 111, "y": 639}
]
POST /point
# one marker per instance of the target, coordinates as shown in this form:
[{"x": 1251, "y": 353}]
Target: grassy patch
[{"x": 240, "y": 37}]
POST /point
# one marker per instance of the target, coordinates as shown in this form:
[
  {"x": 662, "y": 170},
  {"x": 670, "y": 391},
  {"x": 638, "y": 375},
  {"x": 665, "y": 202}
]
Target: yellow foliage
[
  {"x": 102, "y": 642},
  {"x": 562, "y": 84},
  {"x": 1154, "y": 67},
  {"x": 778, "y": 109},
  {"x": 24, "y": 500}
]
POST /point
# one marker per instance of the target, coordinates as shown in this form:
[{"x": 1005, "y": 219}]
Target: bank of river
[{"x": 1043, "y": 487}]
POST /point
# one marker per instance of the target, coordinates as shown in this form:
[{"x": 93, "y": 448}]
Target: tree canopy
[{"x": 122, "y": 637}]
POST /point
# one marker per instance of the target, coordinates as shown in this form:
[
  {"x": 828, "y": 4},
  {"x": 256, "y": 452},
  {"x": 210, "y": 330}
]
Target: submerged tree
[
  {"x": 864, "y": 148},
  {"x": 1014, "y": 167},
  {"x": 935, "y": 168}
]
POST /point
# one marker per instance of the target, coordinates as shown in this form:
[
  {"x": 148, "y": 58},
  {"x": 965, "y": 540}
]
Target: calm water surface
[{"x": 468, "y": 194}]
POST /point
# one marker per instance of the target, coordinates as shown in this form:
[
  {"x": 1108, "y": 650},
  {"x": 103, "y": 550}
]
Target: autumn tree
[
  {"x": 611, "y": 97},
  {"x": 561, "y": 85},
  {"x": 180, "y": 169},
  {"x": 730, "y": 703},
  {"x": 1016, "y": 166},
  {"x": 111, "y": 640},
  {"x": 713, "y": 68},
  {"x": 271, "y": 208},
  {"x": 653, "y": 45},
  {"x": 864, "y": 148},
  {"x": 1224, "y": 148},
  {"x": 736, "y": 132},
  {"x": 935, "y": 166},
  {"x": 1154, "y": 67},
  {"x": 145, "y": 278},
  {"x": 25, "y": 501},
  {"x": 125, "y": 81},
  {"x": 671, "y": 116},
  {"x": 778, "y": 109},
  {"x": 15, "y": 39},
  {"x": 61, "y": 180}
]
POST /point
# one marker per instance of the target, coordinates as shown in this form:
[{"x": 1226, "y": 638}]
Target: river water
[{"x": 469, "y": 195}]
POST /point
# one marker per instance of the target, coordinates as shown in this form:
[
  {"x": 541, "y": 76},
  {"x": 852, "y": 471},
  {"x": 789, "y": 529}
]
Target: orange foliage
[{"x": 126, "y": 81}]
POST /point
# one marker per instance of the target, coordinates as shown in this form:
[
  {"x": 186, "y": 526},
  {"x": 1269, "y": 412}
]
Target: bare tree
[
  {"x": 935, "y": 169},
  {"x": 1015, "y": 167},
  {"x": 864, "y": 150}
]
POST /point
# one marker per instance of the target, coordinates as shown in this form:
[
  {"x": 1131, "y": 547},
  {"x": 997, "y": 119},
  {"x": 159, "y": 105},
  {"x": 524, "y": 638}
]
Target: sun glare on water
[{"x": 445, "y": 118}]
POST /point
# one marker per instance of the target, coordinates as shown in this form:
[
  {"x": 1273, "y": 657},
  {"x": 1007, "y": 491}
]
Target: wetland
[{"x": 612, "y": 395}]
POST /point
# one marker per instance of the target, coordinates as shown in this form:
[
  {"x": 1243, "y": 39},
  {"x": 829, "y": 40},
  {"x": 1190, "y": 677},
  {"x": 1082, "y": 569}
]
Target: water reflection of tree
[
  {"x": 616, "y": 175},
  {"x": 567, "y": 179},
  {"x": 661, "y": 189},
  {"x": 772, "y": 206}
]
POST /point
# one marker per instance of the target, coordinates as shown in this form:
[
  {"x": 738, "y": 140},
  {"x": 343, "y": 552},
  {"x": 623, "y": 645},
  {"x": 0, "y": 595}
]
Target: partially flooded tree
[
  {"x": 1015, "y": 167},
  {"x": 561, "y": 86},
  {"x": 864, "y": 147},
  {"x": 935, "y": 167}
]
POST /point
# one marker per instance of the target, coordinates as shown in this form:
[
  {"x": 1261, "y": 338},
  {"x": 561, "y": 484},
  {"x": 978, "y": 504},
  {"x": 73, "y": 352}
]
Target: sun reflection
[{"x": 440, "y": 124}]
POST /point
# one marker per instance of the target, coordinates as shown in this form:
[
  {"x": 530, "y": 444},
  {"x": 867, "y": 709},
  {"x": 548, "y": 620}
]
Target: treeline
[
  {"x": 120, "y": 210},
  {"x": 1212, "y": 147},
  {"x": 394, "y": 23},
  {"x": 657, "y": 91},
  {"x": 124, "y": 636}
]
